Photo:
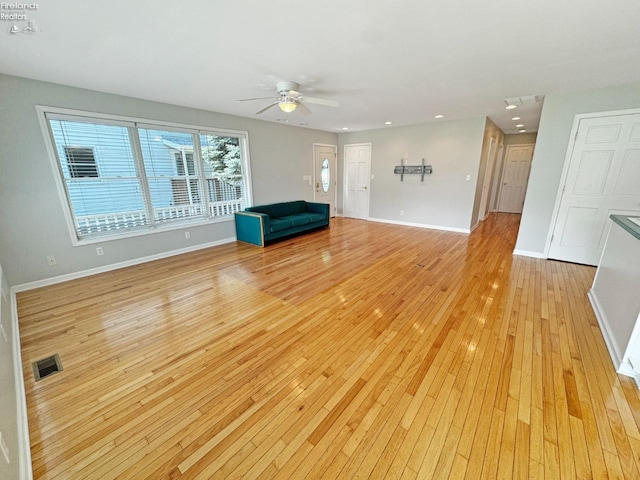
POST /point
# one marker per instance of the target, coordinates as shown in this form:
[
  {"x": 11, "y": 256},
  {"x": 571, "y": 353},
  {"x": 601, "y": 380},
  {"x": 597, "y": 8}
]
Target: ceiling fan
[{"x": 289, "y": 99}]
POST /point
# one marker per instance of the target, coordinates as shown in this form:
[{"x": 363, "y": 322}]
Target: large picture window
[{"x": 122, "y": 176}]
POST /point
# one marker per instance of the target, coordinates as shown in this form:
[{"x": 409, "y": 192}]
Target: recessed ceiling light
[
  {"x": 520, "y": 125},
  {"x": 511, "y": 107},
  {"x": 522, "y": 130},
  {"x": 515, "y": 118},
  {"x": 439, "y": 116},
  {"x": 345, "y": 128},
  {"x": 388, "y": 123}
]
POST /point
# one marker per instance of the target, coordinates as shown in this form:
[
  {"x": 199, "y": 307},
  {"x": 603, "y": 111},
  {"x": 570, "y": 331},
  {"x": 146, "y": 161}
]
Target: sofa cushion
[
  {"x": 300, "y": 219},
  {"x": 279, "y": 224},
  {"x": 298, "y": 206},
  {"x": 316, "y": 217},
  {"x": 280, "y": 209},
  {"x": 260, "y": 209}
]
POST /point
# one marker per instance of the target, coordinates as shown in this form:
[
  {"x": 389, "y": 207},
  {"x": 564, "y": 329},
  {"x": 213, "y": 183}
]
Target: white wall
[
  {"x": 552, "y": 141},
  {"x": 32, "y": 223},
  {"x": 520, "y": 138},
  {"x": 8, "y": 389},
  {"x": 445, "y": 198},
  {"x": 490, "y": 131}
]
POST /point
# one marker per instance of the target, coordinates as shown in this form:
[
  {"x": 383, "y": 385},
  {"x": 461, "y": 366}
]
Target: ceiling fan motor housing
[{"x": 284, "y": 88}]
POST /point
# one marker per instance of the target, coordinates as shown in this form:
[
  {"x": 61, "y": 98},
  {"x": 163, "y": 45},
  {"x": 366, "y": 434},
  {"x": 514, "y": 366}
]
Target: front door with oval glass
[{"x": 324, "y": 178}]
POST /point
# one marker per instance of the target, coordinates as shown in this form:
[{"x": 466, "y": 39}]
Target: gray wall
[
  {"x": 32, "y": 223},
  {"x": 552, "y": 141},
  {"x": 8, "y": 409},
  {"x": 445, "y": 198}
]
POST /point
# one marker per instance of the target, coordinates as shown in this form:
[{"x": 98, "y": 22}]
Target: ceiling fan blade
[
  {"x": 257, "y": 98},
  {"x": 320, "y": 101},
  {"x": 303, "y": 108},
  {"x": 266, "y": 108}
]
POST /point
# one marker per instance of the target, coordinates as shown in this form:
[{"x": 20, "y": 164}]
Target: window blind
[
  {"x": 110, "y": 200},
  {"x": 223, "y": 170},
  {"x": 120, "y": 175},
  {"x": 172, "y": 176}
]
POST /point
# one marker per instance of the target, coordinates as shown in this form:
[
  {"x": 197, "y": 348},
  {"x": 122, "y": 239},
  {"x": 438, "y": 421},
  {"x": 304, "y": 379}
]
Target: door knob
[{"x": 365, "y": 187}]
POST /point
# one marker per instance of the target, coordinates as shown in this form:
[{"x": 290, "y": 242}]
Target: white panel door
[
  {"x": 324, "y": 175},
  {"x": 517, "y": 166},
  {"x": 357, "y": 168},
  {"x": 603, "y": 178}
]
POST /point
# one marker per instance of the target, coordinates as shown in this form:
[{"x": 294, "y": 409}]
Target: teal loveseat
[{"x": 263, "y": 223}]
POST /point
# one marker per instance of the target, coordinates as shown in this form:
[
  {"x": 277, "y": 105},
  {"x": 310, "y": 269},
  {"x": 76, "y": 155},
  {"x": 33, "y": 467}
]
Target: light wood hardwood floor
[{"x": 362, "y": 351}]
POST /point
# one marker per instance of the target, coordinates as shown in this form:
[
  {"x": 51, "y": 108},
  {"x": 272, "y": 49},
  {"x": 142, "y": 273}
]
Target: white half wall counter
[{"x": 615, "y": 294}]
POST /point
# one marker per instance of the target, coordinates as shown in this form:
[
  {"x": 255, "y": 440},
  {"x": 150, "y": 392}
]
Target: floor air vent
[{"x": 46, "y": 367}]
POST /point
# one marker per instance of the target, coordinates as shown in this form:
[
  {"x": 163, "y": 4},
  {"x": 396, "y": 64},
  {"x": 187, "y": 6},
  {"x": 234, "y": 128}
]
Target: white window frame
[{"x": 134, "y": 122}]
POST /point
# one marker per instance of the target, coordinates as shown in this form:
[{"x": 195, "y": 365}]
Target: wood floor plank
[{"x": 365, "y": 350}]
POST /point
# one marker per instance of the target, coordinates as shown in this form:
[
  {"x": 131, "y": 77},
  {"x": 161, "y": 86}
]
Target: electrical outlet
[
  {"x": 187, "y": 234},
  {"x": 401, "y": 213},
  {"x": 4, "y": 448},
  {"x": 99, "y": 251},
  {"x": 51, "y": 260}
]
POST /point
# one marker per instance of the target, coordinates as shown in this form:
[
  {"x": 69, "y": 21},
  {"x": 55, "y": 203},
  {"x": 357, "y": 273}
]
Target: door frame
[
  {"x": 567, "y": 160},
  {"x": 487, "y": 181},
  {"x": 344, "y": 175},
  {"x": 334, "y": 167},
  {"x": 497, "y": 177}
]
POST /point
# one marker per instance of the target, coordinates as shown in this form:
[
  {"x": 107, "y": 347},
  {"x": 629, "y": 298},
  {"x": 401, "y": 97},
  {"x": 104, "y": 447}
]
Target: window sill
[{"x": 125, "y": 234}]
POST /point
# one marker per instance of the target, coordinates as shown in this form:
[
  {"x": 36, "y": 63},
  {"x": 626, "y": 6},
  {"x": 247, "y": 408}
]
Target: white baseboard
[
  {"x": 627, "y": 370},
  {"x": 115, "y": 266},
  {"x": 24, "y": 444},
  {"x": 621, "y": 367},
  {"x": 635, "y": 368},
  {"x": 527, "y": 253},
  {"x": 420, "y": 225}
]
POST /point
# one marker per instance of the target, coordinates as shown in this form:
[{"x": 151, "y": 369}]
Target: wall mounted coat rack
[{"x": 403, "y": 170}]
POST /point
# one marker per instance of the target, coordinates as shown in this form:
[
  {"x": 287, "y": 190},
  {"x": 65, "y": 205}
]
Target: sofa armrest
[
  {"x": 318, "y": 208},
  {"x": 251, "y": 227}
]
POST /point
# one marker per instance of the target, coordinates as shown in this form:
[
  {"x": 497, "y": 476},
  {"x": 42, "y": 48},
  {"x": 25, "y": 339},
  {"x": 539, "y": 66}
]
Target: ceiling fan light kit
[{"x": 287, "y": 105}]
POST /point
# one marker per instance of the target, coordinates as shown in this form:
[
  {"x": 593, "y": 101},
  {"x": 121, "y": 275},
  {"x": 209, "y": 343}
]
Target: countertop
[{"x": 628, "y": 225}]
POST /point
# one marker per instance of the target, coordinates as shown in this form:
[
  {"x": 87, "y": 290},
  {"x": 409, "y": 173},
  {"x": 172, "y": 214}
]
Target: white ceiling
[{"x": 401, "y": 61}]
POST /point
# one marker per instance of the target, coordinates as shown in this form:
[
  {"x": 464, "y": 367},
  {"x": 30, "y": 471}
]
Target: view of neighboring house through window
[
  {"x": 173, "y": 186},
  {"x": 81, "y": 162},
  {"x": 185, "y": 190},
  {"x": 120, "y": 176}
]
